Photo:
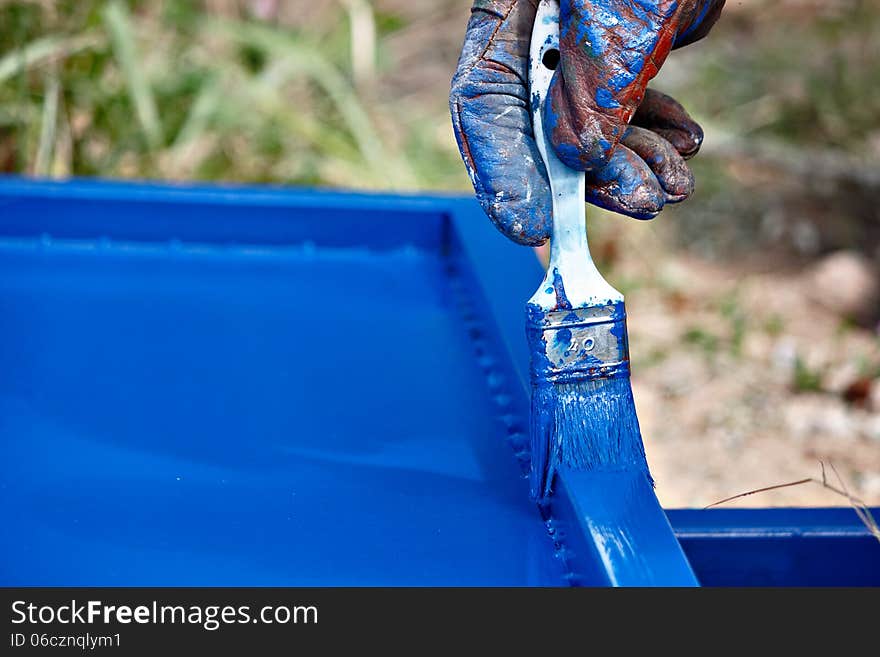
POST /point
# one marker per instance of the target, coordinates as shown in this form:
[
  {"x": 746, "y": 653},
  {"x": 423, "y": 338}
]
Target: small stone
[
  {"x": 874, "y": 398},
  {"x": 871, "y": 428},
  {"x": 840, "y": 378},
  {"x": 858, "y": 392},
  {"x": 846, "y": 283},
  {"x": 870, "y": 485},
  {"x": 873, "y": 403},
  {"x": 818, "y": 416},
  {"x": 784, "y": 355}
]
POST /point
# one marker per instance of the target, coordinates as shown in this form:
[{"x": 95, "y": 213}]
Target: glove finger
[
  {"x": 697, "y": 20},
  {"x": 492, "y": 121},
  {"x": 666, "y": 116},
  {"x": 626, "y": 185},
  {"x": 610, "y": 50},
  {"x": 669, "y": 167}
]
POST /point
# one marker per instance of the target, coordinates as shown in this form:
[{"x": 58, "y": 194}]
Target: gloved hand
[{"x": 631, "y": 142}]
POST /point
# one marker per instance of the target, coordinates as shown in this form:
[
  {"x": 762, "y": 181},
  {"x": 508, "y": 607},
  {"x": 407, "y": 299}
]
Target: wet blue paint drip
[{"x": 583, "y": 415}]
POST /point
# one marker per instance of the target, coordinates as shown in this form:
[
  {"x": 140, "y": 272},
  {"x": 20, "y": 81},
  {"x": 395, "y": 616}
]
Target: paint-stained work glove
[{"x": 632, "y": 142}]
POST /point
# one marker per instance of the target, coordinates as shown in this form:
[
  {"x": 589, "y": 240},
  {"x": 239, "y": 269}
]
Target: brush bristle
[{"x": 583, "y": 425}]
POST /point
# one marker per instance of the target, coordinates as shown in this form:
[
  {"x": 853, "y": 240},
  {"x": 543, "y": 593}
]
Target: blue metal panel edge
[
  {"x": 219, "y": 213},
  {"x": 610, "y": 528},
  {"x": 614, "y": 520},
  {"x": 227, "y": 193},
  {"x": 779, "y": 547}
]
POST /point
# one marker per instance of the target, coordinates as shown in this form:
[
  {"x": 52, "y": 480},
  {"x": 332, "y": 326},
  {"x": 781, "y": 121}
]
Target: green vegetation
[
  {"x": 699, "y": 337},
  {"x": 803, "y": 72},
  {"x": 736, "y": 318},
  {"x": 806, "y": 379},
  {"x": 774, "y": 325},
  {"x": 184, "y": 90},
  {"x": 788, "y": 94}
]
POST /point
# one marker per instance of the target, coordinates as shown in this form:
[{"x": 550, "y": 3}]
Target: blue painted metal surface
[
  {"x": 228, "y": 388},
  {"x": 232, "y": 386},
  {"x": 779, "y": 547},
  {"x": 615, "y": 532}
]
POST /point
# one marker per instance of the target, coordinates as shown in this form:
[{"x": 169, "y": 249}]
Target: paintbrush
[{"x": 583, "y": 416}]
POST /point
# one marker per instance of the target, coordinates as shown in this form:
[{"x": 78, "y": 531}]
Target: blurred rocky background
[{"x": 754, "y": 307}]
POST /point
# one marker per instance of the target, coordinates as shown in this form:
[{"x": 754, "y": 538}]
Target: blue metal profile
[{"x": 779, "y": 547}]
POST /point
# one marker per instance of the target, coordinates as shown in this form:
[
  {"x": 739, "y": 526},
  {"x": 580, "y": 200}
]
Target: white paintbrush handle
[{"x": 569, "y": 250}]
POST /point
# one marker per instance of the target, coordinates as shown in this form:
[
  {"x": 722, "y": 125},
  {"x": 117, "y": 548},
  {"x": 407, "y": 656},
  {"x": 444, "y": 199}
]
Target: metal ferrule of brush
[{"x": 580, "y": 344}]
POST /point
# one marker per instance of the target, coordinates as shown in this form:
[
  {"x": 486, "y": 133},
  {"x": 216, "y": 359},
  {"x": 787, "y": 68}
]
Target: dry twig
[{"x": 860, "y": 508}]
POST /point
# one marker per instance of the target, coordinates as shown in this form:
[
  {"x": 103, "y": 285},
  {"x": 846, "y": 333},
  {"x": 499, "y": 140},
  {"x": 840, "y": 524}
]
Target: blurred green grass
[
  {"x": 183, "y": 90},
  {"x": 351, "y": 93},
  {"x": 803, "y": 72}
]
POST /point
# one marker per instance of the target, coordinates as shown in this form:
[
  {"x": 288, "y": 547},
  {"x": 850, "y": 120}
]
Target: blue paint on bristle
[
  {"x": 586, "y": 426},
  {"x": 583, "y": 414}
]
